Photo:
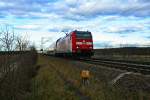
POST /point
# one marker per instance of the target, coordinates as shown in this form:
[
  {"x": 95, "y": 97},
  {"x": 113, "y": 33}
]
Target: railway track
[
  {"x": 138, "y": 67},
  {"x": 131, "y": 66}
]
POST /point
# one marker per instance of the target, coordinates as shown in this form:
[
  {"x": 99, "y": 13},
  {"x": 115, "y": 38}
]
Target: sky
[{"x": 112, "y": 22}]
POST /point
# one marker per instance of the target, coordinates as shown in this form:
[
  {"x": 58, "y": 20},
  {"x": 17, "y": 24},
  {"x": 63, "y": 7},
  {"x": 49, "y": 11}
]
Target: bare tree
[
  {"x": 22, "y": 43},
  {"x": 7, "y": 38}
]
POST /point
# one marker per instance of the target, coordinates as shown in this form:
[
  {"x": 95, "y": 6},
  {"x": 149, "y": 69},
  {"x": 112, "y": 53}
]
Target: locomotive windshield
[{"x": 85, "y": 35}]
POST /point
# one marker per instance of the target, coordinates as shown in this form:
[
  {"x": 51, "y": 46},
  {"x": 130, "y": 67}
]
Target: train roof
[{"x": 81, "y": 31}]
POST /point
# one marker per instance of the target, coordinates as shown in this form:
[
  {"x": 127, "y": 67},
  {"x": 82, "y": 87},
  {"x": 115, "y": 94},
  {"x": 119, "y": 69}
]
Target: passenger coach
[{"x": 76, "y": 43}]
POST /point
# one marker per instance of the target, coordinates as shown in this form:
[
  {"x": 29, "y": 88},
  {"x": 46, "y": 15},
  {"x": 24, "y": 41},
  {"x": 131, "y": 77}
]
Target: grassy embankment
[
  {"x": 16, "y": 71},
  {"x": 58, "y": 79},
  {"x": 48, "y": 85}
]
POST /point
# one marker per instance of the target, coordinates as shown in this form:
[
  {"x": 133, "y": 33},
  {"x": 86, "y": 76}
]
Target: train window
[{"x": 81, "y": 34}]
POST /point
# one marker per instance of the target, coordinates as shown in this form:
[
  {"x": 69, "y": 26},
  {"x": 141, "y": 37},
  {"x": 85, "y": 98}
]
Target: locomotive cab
[{"x": 82, "y": 43}]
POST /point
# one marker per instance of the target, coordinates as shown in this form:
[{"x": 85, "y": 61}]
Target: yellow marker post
[{"x": 85, "y": 75}]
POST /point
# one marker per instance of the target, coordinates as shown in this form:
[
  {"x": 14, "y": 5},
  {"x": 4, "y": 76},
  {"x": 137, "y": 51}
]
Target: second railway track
[{"x": 123, "y": 65}]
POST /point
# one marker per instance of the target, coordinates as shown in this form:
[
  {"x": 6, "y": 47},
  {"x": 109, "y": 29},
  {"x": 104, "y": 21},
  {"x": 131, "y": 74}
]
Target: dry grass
[
  {"x": 48, "y": 85},
  {"x": 16, "y": 72},
  {"x": 59, "y": 79}
]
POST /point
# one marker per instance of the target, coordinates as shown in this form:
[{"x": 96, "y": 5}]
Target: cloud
[
  {"x": 125, "y": 29},
  {"x": 145, "y": 1},
  {"x": 112, "y": 17},
  {"x": 101, "y": 17},
  {"x": 75, "y": 9},
  {"x": 95, "y": 8},
  {"x": 64, "y": 28},
  {"x": 27, "y": 27},
  {"x": 2, "y": 16},
  {"x": 147, "y": 37},
  {"x": 104, "y": 44}
]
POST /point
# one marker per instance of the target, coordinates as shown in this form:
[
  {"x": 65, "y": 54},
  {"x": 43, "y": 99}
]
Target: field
[
  {"x": 130, "y": 53},
  {"x": 59, "y": 79}
]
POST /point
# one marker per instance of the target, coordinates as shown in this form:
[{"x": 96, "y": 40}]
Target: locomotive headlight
[
  {"x": 89, "y": 43},
  {"x": 79, "y": 43}
]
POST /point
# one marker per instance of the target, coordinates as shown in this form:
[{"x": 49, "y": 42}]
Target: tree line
[{"x": 11, "y": 41}]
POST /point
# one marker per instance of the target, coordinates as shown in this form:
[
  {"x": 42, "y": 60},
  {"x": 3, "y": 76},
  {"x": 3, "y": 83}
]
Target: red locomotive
[{"x": 76, "y": 43}]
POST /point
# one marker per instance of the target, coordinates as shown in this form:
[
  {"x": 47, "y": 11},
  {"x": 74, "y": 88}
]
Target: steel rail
[{"x": 129, "y": 66}]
